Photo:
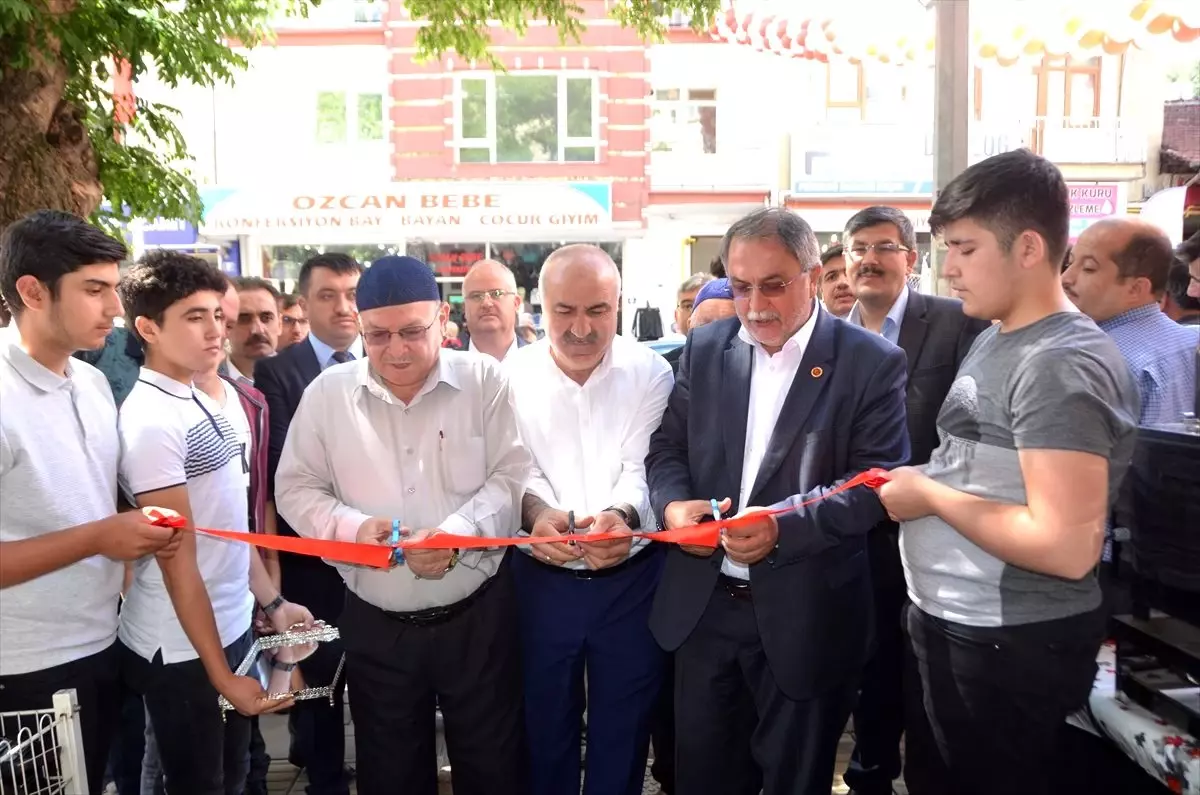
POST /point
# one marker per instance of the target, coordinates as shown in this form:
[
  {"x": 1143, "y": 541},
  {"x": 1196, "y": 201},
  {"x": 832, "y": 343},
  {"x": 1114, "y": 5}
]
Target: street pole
[{"x": 951, "y": 103}]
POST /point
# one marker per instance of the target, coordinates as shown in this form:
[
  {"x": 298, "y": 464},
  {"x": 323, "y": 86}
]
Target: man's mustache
[
  {"x": 870, "y": 270},
  {"x": 590, "y": 339},
  {"x": 258, "y": 339},
  {"x": 762, "y": 317}
]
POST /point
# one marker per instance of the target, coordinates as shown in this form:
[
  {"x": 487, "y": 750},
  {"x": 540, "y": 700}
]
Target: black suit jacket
[
  {"x": 935, "y": 336},
  {"x": 844, "y": 414}
]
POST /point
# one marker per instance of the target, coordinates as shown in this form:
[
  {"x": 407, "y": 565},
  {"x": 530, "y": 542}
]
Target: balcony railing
[
  {"x": 868, "y": 151},
  {"x": 745, "y": 167}
]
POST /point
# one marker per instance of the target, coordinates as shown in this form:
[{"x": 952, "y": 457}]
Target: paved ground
[{"x": 287, "y": 780}]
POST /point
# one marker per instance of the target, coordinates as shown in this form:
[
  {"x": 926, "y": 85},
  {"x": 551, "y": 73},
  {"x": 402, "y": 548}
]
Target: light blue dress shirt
[{"x": 891, "y": 323}]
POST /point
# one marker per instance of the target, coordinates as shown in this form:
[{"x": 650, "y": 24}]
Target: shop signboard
[
  {"x": 400, "y": 210},
  {"x": 1094, "y": 202}
]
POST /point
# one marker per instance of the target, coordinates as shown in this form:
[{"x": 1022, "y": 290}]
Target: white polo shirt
[
  {"x": 173, "y": 435},
  {"x": 58, "y": 469}
]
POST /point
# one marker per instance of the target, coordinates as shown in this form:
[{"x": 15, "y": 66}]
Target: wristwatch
[
  {"x": 283, "y": 666},
  {"x": 627, "y": 514},
  {"x": 273, "y": 605},
  {"x": 455, "y": 557}
]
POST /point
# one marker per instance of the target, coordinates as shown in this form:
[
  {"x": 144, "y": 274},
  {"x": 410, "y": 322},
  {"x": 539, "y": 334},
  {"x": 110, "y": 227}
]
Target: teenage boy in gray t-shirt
[{"x": 1002, "y": 530}]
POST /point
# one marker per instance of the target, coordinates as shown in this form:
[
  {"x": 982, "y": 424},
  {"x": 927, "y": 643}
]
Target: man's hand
[
  {"x": 687, "y": 513},
  {"x": 905, "y": 495},
  {"x": 132, "y": 534},
  {"x": 428, "y": 564},
  {"x": 247, "y": 696},
  {"x": 550, "y": 524},
  {"x": 377, "y": 530},
  {"x": 750, "y": 543},
  {"x": 288, "y": 615},
  {"x": 602, "y": 554}
]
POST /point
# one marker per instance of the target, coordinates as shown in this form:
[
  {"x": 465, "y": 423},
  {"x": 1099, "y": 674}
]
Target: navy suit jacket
[
  {"x": 844, "y": 414},
  {"x": 283, "y": 379}
]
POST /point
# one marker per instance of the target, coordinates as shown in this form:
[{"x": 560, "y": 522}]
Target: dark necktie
[{"x": 341, "y": 357}]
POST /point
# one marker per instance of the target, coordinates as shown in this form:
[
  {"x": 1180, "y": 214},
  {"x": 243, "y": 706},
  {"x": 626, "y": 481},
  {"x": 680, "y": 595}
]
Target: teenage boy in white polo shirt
[
  {"x": 186, "y": 624},
  {"x": 61, "y": 538}
]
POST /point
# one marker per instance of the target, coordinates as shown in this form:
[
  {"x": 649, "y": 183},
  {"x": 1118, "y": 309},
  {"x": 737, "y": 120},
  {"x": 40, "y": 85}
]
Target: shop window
[
  {"x": 335, "y": 109},
  {"x": 527, "y": 118},
  {"x": 684, "y": 120},
  {"x": 448, "y": 260}
]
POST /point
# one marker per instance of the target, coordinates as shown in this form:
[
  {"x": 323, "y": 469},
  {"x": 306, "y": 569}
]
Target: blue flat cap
[
  {"x": 393, "y": 281},
  {"x": 717, "y": 288}
]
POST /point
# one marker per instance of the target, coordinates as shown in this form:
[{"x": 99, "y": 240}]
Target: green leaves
[{"x": 143, "y": 166}]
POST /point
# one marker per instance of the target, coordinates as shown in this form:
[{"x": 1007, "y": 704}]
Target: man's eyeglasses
[
  {"x": 289, "y": 321},
  {"x": 882, "y": 249},
  {"x": 381, "y": 337},
  {"x": 772, "y": 288},
  {"x": 478, "y": 296}
]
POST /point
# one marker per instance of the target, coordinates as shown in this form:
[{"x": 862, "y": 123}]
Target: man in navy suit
[
  {"x": 327, "y": 286},
  {"x": 774, "y": 408}
]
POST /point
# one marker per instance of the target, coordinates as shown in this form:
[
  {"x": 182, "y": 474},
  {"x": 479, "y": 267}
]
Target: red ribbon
[{"x": 705, "y": 534}]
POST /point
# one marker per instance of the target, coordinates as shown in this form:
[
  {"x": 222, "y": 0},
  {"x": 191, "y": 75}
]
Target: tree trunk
[{"x": 46, "y": 157}]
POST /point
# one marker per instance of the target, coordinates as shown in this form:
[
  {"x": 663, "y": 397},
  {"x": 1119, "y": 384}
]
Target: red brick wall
[
  {"x": 422, "y": 117},
  {"x": 1181, "y": 129}
]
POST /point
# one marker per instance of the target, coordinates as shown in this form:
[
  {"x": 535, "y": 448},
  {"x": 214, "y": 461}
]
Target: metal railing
[{"x": 41, "y": 751}]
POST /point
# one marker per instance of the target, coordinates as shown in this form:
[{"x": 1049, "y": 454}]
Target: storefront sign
[
  {"x": 453, "y": 210},
  {"x": 1092, "y": 203}
]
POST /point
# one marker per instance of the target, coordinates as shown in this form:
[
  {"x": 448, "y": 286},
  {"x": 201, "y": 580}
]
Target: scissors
[{"x": 397, "y": 552}]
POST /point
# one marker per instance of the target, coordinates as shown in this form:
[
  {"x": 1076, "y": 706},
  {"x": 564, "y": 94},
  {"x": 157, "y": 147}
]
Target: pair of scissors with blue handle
[{"x": 397, "y": 552}]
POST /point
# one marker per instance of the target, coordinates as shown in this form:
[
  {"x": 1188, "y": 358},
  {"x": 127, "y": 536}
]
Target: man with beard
[
  {"x": 772, "y": 408},
  {"x": 491, "y": 308},
  {"x": 935, "y": 335},
  {"x": 258, "y": 326},
  {"x": 835, "y": 290}
]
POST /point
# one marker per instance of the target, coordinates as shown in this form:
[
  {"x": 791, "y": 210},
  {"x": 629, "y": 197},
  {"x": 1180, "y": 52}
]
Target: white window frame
[
  {"x": 684, "y": 104},
  {"x": 351, "y": 109},
  {"x": 565, "y": 142}
]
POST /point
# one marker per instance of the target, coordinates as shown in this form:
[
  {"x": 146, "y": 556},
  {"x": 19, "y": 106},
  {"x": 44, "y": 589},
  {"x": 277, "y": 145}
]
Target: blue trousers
[{"x": 572, "y": 627}]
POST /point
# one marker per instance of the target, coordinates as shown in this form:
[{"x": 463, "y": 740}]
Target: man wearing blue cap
[{"x": 423, "y": 440}]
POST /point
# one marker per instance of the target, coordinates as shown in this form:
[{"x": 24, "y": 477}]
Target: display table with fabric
[{"x": 1167, "y": 753}]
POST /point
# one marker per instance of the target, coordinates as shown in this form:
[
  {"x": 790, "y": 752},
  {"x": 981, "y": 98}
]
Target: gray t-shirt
[{"x": 1057, "y": 384}]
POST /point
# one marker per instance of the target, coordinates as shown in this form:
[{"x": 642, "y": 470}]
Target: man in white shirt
[
  {"x": 420, "y": 440},
  {"x": 185, "y": 624},
  {"x": 491, "y": 306},
  {"x": 62, "y": 541},
  {"x": 587, "y": 401}
]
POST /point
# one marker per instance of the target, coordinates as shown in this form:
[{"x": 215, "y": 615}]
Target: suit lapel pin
[{"x": 816, "y": 372}]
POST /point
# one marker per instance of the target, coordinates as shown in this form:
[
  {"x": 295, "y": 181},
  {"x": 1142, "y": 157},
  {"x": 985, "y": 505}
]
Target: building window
[
  {"x": 845, "y": 91},
  {"x": 1069, "y": 88},
  {"x": 335, "y": 108},
  {"x": 533, "y": 118},
  {"x": 368, "y": 11},
  {"x": 684, "y": 120}
]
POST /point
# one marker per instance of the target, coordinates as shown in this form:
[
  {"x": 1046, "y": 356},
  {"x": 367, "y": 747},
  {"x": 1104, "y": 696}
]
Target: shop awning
[{"x": 1005, "y": 31}]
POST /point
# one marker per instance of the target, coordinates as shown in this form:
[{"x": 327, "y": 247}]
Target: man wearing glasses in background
[
  {"x": 492, "y": 304},
  {"x": 295, "y": 321},
  {"x": 880, "y": 251}
]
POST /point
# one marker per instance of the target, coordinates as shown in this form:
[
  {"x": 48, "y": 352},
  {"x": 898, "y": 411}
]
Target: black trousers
[
  {"x": 469, "y": 665},
  {"x": 95, "y": 680},
  {"x": 879, "y": 713},
  {"x": 200, "y": 753},
  {"x": 988, "y": 706},
  {"x": 318, "y": 730},
  {"x": 662, "y": 733},
  {"x": 743, "y": 734}
]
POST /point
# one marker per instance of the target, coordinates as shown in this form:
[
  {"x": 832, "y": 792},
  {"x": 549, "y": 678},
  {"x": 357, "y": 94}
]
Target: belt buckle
[{"x": 584, "y": 574}]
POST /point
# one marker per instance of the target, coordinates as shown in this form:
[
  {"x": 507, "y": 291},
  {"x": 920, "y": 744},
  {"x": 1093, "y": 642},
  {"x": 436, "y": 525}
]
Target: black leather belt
[
  {"x": 438, "y": 615},
  {"x": 735, "y": 587},
  {"x": 588, "y": 574}
]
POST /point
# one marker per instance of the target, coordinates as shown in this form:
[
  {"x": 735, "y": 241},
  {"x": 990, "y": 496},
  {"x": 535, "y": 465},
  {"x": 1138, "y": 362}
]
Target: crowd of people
[{"x": 958, "y": 605}]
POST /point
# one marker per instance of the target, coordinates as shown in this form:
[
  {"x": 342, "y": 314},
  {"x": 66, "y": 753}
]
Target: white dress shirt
[
  {"x": 512, "y": 348},
  {"x": 451, "y": 459},
  {"x": 770, "y": 381},
  {"x": 589, "y": 442}
]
